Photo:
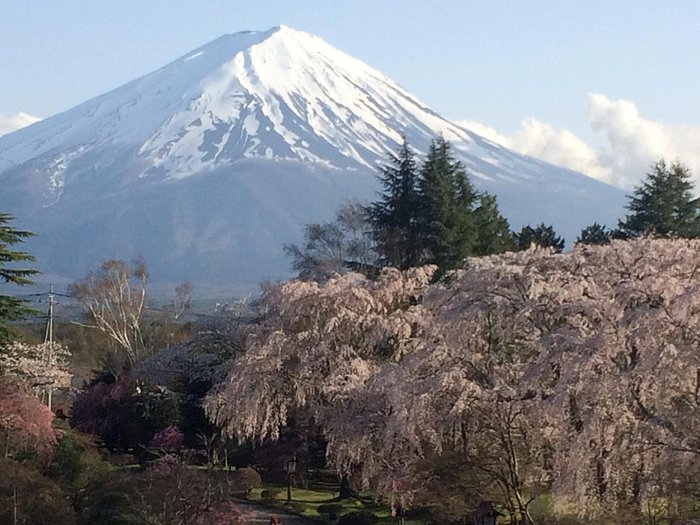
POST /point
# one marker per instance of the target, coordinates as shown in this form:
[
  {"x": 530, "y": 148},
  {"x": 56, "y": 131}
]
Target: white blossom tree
[
  {"x": 40, "y": 366},
  {"x": 574, "y": 374},
  {"x": 315, "y": 343}
]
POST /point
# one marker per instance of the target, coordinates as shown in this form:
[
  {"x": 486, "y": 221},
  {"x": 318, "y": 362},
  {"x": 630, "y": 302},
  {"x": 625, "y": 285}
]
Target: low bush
[
  {"x": 332, "y": 510},
  {"x": 28, "y": 497},
  {"x": 360, "y": 517},
  {"x": 269, "y": 495},
  {"x": 243, "y": 480}
]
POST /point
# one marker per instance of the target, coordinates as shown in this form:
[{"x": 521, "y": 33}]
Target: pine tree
[
  {"x": 663, "y": 205},
  {"x": 594, "y": 234},
  {"x": 11, "y": 308},
  {"x": 394, "y": 217},
  {"x": 492, "y": 229},
  {"x": 447, "y": 200},
  {"x": 541, "y": 235}
]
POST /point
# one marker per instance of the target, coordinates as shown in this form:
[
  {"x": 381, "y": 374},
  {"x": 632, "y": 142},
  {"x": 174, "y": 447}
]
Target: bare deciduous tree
[{"x": 113, "y": 299}]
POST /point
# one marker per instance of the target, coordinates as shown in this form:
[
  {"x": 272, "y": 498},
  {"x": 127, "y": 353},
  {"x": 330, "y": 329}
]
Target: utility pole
[{"x": 48, "y": 340}]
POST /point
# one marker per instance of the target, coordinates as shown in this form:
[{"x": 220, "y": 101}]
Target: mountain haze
[{"x": 208, "y": 165}]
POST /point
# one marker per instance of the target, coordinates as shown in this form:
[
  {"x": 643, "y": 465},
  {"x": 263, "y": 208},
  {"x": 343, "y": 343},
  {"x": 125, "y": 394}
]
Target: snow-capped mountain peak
[
  {"x": 276, "y": 94},
  {"x": 231, "y": 148}
]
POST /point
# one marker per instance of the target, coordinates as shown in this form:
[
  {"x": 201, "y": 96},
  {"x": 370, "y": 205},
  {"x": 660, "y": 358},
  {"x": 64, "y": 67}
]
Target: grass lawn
[{"x": 305, "y": 502}]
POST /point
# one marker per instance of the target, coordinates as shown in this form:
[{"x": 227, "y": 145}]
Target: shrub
[
  {"x": 28, "y": 497},
  {"x": 168, "y": 439},
  {"x": 542, "y": 509},
  {"x": 122, "y": 416},
  {"x": 333, "y": 510},
  {"x": 360, "y": 517},
  {"x": 270, "y": 495},
  {"x": 67, "y": 460},
  {"x": 245, "y": 479},
  {"x": 297, "y": 507},
  {"x": 97, "y": 409},
  {"x": 223, "y": 514},
  {"x": 25, "y": 424}
]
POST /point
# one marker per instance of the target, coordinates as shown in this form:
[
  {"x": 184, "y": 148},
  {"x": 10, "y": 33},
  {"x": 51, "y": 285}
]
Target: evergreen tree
[
  {"x": 663, "y": 205},
  {"x": 11, "y": 308},
  {"x": 594, "y": 234},
  {"x": 492, "y": 229},
  {"x": 394, "y": 217},
  {"x": 542, "y": 235},
  {"x": 447, "y": 199}
]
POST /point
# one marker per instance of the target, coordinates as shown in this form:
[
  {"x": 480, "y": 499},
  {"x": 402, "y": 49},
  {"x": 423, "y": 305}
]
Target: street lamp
[{"x": 290, "y": 467}]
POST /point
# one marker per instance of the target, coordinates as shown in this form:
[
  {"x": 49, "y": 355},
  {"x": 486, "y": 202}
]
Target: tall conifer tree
[
  {"x": 394, "y": 217},
  {"x": 492, "y": 229},
  {"x": 11, "y": 308},
  {"x": 663, "y": 205},
  {"x": 541, "y": 235},
  {"x": 447, "y": 201}
]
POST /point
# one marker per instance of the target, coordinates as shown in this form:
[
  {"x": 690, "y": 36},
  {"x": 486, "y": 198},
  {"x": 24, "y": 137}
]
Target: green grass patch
[{"x": 305, "y": 502}]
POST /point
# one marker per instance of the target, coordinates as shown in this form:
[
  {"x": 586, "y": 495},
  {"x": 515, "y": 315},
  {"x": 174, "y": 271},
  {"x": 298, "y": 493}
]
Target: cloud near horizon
[
  {"x": 10, "y": 123},
  {"x": 631, "y": 143}
]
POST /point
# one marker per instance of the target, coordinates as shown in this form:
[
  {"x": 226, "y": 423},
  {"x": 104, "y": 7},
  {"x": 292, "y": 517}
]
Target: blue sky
[{"x": 523, "y": 72}]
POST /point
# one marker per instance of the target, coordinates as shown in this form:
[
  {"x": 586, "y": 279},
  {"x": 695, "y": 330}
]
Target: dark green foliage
[
  {"x": 31, "y": 497},
  {"x": 492, "y": 229},
  {"x": 541, "y": 235},
  {"x": 447, "y": 199},
  {"x": 67, "y": 460},
  {"x": 332, "y": 510},
  {"x": 594, "y": 234},
  {"x": 122, "y": 416},
  {"x": 12, "y": 309},
  {"x": 109, "y": 503},
  {"x": 359, "y": 517},
  {"x": 663, "y": 205},
  {"x": 395, "y": 216},
  {"x": 426, "y": 215}
]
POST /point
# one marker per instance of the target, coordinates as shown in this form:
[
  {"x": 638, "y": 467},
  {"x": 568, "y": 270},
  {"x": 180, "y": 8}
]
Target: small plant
[
  {"x": 270, "y": 495},
  {"x": 333, "y": 510},
  {"x": 360, "y": 517}
]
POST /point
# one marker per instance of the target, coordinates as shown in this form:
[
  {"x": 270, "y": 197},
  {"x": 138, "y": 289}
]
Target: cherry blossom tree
[
  {"x": 41, "y": 366},
  {"x": 25, "y": 423},
  {"x": 574, "y": 374},
  {"x": 315, "y": 342}
]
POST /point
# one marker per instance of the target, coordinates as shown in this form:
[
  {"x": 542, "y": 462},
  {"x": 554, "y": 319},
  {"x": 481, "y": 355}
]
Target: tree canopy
[
  {"x": 335, "y": 247},
  {"x": 447, "y": 199},
  {"x": 113, "y": 299},
  {"x": 663, "y": 205},
  {"x": 11, "y": 308},
  {"x": 594, "y": 234},
  {"x": 573, "y": 374},
  {"x": 541, "y": 235},
  {"x": 394, "y": 217}
]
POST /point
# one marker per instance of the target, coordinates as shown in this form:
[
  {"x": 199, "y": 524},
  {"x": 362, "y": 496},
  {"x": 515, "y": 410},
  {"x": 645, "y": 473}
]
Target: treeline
[{"x": 430, "y": 213}]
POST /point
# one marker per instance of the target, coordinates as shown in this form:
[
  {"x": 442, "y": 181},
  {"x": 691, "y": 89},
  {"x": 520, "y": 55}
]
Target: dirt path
[{"x": 259, "y": 514}]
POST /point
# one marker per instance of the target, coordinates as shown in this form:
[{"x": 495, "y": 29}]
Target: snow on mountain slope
[{"x": 237, "y": 116}]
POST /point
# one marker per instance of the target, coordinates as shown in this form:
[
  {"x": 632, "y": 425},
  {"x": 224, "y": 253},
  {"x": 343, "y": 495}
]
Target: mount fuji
[{"x": 207, "y": 166}]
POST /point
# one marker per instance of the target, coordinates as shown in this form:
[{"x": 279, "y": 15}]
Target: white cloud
[
  {"x": 10, "y": 123},
  {"x": 631, "y": 143}
]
